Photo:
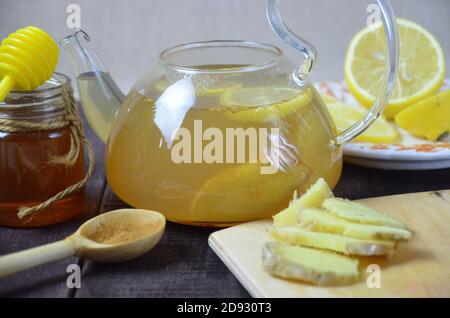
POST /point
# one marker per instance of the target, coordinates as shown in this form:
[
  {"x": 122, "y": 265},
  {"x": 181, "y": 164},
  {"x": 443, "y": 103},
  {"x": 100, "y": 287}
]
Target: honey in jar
[{"x": 28, "y": 174}]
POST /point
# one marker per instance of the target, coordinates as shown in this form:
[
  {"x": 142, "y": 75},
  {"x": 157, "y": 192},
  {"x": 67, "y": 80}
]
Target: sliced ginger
[
  {"x": 317, "y": 226},
  {"x": 295, "y": 235},
  {"x": 312, "y": 198},
  {"x": 358, "y": 212},
  {"x": 324, "y": 221},
  {"x": 309, "y": 265}
]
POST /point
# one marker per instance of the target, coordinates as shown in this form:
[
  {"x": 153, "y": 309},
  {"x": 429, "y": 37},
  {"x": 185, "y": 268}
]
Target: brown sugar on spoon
[{"x": 117, "y": 233}]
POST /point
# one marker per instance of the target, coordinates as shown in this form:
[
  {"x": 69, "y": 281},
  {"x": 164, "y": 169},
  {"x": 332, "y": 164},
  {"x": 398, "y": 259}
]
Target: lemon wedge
[
  {"x": 429, "y": 118},
  {"x": 262, "y": 104},
  {"x": 345, "y": 116},
  {"x": 421, "y": 71}
]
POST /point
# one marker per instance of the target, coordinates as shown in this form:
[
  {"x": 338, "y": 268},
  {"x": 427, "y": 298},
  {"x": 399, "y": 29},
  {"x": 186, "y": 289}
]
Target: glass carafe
[{"x": 223, "y": 132}]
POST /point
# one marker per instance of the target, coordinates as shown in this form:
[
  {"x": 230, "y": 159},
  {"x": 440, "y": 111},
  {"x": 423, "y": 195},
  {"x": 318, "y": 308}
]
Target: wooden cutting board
[{"x": 420, "y": 268}]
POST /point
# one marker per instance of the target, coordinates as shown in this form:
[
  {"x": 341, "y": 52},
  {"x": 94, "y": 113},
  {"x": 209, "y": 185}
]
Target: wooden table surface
[{"x": 182, "y": 264}]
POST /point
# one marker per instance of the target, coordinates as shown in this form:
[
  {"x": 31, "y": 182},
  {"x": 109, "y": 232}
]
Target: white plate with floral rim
[{"x": 408, "y": 153}]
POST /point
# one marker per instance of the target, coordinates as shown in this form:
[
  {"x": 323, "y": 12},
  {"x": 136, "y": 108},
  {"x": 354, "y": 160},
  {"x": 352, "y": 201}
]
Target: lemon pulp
[{"x": 421, "y": 69}]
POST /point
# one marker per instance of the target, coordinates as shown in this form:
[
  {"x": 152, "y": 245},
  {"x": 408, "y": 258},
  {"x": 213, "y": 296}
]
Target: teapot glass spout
[{"x": 99, "y": 95}]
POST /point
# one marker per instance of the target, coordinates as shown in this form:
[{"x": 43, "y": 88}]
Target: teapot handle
[{"x": 310, "y": 54}]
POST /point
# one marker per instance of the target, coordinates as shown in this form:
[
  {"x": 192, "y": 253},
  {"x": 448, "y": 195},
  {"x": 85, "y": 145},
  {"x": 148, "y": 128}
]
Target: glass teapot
[{"x": 219, "y": 132}]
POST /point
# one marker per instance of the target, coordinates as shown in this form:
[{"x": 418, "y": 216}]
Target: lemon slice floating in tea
[
  {"x": 209, "y": 89},
  {"x": 429, "y": 118},
  {"x": 241, "y": 193},
  {"x": 421, "y": 71},
  {"x": 345, "y": 116},
  {"x": 261, "y": 104},
  {"x": 218, "y": 89}
]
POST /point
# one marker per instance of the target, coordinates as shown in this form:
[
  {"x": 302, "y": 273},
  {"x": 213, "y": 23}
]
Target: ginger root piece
[
  {"x": 295, "y": 235},
  {"x": 309, "y": 265},
  {"x": 312, "y": 198},
  {"x": 323, "y": 221},
  {"x": 357, "y": 212}
]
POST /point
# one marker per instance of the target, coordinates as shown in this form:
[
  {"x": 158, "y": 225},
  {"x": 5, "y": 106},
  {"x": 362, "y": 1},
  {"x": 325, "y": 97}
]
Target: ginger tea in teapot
[
  {"x": 234, "y": 147},
  {"x": 220, "y": 132}
]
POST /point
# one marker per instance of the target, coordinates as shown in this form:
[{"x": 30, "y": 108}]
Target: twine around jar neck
[{"x": 70, "y": 119}]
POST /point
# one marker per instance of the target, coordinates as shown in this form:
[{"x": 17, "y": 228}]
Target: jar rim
[
  {"x": 49, "y": 90},
  {"x": 47, "y": 101},
  {"x": 276, "y": 53}
]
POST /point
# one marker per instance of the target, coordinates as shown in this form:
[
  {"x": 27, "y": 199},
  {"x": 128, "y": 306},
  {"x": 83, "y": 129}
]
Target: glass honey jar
[{"x": 41, "y": 156}]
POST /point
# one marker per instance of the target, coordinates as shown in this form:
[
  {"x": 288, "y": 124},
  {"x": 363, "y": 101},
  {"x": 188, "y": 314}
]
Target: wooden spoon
[{"x": 115, "y": 236}]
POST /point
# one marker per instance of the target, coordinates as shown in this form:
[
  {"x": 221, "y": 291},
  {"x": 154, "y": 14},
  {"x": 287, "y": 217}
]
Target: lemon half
[{"x": 421, "y": 71}]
